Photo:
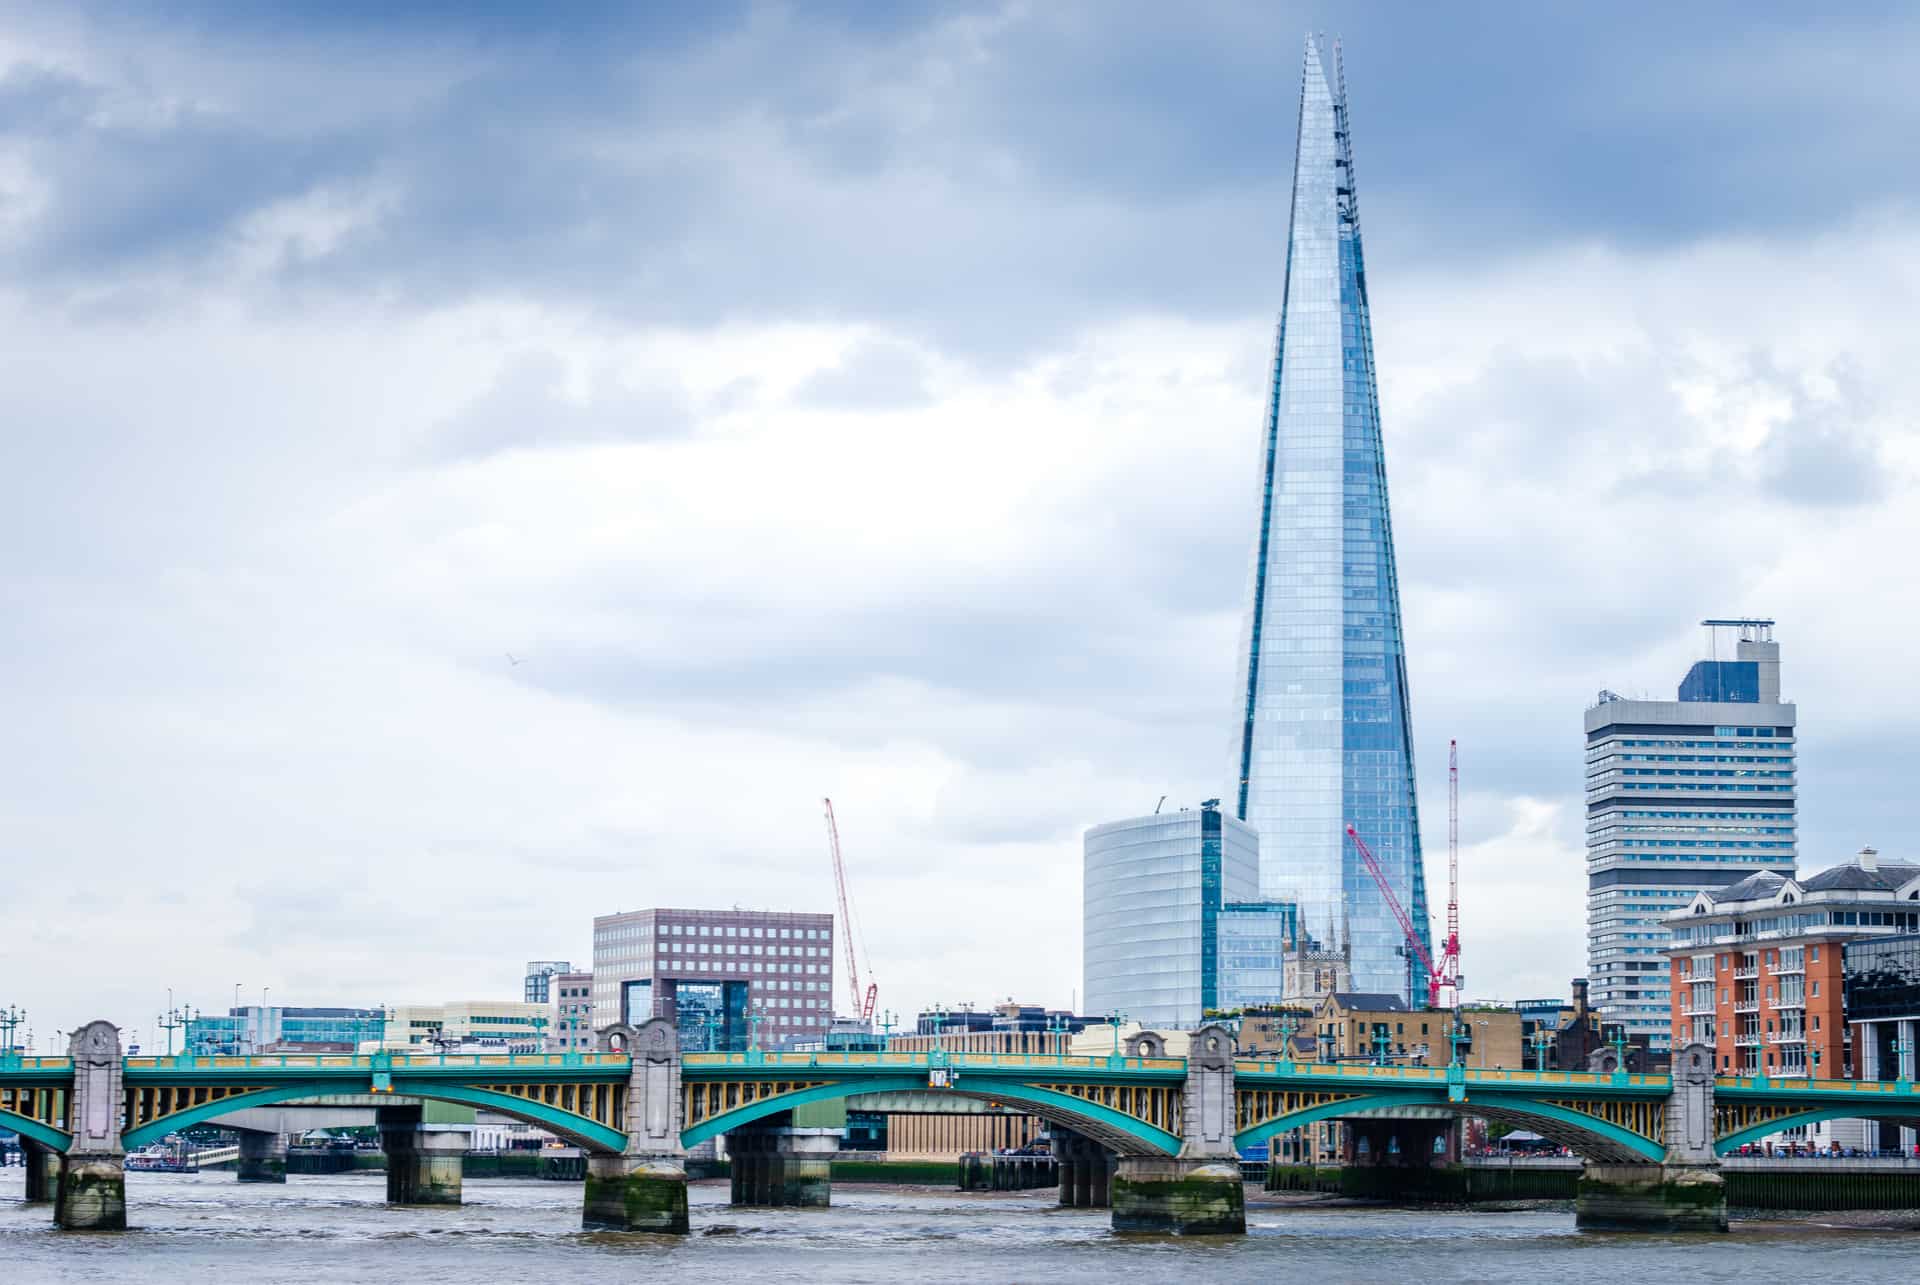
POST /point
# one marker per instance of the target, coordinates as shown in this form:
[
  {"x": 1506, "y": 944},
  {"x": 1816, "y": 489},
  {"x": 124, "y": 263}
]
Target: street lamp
[
  {"x": 1116, "y": 1019},
  {"x": 10, "y": 1021}
]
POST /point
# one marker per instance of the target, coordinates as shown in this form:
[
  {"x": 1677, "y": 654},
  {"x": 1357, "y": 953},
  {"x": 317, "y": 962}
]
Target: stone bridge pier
[
  {"x": 92, "y": 1191},
  {"x": 263, "y": 1157},
  {"x": 1199, "y": 1191},
  {"x": 1685, "y": 1191},
  {"x": 782, "y": 1166},
  {"x": 645, "y": 1187}
]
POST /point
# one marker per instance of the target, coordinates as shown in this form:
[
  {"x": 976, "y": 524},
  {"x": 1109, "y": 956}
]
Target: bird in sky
[{"x": 514, "y": 661}]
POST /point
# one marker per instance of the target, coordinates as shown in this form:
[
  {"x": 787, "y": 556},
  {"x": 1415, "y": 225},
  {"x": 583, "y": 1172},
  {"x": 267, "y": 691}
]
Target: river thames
[{"x": 192, "y": 1227}]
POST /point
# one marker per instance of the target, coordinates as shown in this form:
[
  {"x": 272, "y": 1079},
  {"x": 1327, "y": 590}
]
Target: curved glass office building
[
  {"x": 1324, "y": 734},
  {"x": 1155, "y": 889}
]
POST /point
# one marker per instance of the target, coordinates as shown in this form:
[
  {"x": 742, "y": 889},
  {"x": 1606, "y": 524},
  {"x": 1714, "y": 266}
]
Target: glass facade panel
[
  {"x": 1326, "y": 739},
  {"x": 1154, "y": 891}
]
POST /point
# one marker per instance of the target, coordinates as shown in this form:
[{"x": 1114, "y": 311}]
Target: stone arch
[{"x": 1146, "y": 1044}]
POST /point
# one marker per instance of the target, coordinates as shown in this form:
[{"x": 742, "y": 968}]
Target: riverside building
[
  {"x": 725, "y": 977},
  {"x": 1682, "y": 796},
  {"x": 1323, "y": 734},
  {"x": 1154, "y": 888}
]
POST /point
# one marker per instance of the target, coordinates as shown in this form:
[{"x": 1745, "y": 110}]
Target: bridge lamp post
[
  {"x": 10, "y": 1021},
  {"x": 1540, "y": 1042},
  {"x": 1059, "y": 1028},
  {"x": 1380, "y": 1047},
  {"x": 1813, "y": 1055},
  {"x": 1461, "y": 1034},
  {"x": 754, "y": 1018},
  {"x": 1116, "y": 1020},
  {"x": 1900, "y": 1050}
]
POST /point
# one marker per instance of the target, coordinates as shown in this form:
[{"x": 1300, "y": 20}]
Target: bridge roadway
[{"x": 1160, "y": 1134}]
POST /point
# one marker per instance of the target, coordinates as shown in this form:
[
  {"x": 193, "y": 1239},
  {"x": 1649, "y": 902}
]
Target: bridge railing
[
  {"x": 369, "y": 1061},
  {"x": 1802, "y": 1084},
  {"x": 923, "y": 1058},
  {"x": 1438, "y": 1074},
  {"x": 20, "y": 1062}
]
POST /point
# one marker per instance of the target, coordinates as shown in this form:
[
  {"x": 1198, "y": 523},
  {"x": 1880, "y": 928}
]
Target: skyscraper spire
[{"x": 1325, "y": 734}]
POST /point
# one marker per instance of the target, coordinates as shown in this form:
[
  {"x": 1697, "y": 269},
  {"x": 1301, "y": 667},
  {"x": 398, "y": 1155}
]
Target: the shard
[{"x": 1326, "y": 740}]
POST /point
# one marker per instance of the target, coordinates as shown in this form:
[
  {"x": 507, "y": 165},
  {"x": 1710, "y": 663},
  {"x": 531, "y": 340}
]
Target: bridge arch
[
  {"x": 40, "y": 1131},
  {"x": 1117, "y": 1131},
  {"x": 1586, "y": 1135},
  {"x": 1813, "y": 1115},
  {"x": 588, "y": 1134}
]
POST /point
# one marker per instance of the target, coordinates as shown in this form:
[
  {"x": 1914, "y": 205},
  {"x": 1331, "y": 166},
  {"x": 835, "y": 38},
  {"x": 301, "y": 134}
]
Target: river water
[{"x": 200, "y": 1227}]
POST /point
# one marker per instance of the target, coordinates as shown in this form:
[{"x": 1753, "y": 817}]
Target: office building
[
  {"x": 1882, "y": 984},
  {"x": 1323, "y": 729},
  {"x": 1255, "y": 938},
  {"x": 1757, "y": 968},
  {"x": 540, "y": 974},
  {"x": 1682, "y": 796},
  {"x": 1154, "y": 889},
  {"x": 725, "y": 977},
  {"x": 256, "y": 1028},
  {"x": 570, "y": 1012},
  {"x": 511, "y": 1026}
]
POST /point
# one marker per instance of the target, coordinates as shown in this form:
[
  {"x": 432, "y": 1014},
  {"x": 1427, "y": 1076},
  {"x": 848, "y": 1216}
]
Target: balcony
[
  {"x": 1744, "y": 1039},
  {"x": 1748, "y": 973},
  {"x": 1746, "y": 1006},
  {"x": 1788, "y": 1037}
]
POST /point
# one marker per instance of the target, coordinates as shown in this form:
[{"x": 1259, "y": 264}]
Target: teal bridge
[{"x": 639, "y": 1104}]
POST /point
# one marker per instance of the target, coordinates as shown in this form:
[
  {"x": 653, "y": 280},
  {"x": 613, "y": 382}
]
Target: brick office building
[{"x": 1757, "y": 967}]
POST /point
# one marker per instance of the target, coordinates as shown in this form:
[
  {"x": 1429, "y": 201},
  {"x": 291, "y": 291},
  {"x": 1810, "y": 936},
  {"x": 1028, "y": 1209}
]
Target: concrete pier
[
  {"x": 423, "y": 1160},
  {"x": 43, "y": 1172},
  {"x": 92, "y": 1189},
  {"x": 629, "y": 1193},
  {"x": 783, "y": 1167},
  {"x": 263, "y": 1157},
  {"x": 1179, "y": 1197},
  {"x": 1661, "y": 1198},
  {"x": 1685, "y": 1191},
  {"x": 644, "y": 1188},
  {"x": 92, "y": 1193},
  {"x": 1199, "y": 1192},
  {"x": 1085, "y": 1170}
]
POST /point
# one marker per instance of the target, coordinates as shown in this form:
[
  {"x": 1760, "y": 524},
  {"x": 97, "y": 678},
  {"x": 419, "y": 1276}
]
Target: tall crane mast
[
  {"x": 863, "y": 1004},
  {"x": 1450, "y": 948}
]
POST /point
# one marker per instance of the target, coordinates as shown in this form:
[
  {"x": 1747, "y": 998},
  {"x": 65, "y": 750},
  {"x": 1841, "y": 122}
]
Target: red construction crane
[
  {"x": 1450, "y": 948},
  {"x": 1434, "y": 979},
  {"x": 862, "y": 1004}
]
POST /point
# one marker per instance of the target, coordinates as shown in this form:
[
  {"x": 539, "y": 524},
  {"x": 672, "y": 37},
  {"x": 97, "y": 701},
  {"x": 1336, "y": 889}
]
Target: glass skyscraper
[
  {"x": 1156, "y": 889},
  {"x": 1325, "y": 739}
]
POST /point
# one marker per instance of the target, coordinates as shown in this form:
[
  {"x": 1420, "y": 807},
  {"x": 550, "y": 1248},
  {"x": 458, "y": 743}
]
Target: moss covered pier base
[
  {"x": 93, "y": 1193},
  {"x": 1663, "y": 1198},
  {"x": 1179, "y": 1197},
  {"x": 632, "y": 1193}
]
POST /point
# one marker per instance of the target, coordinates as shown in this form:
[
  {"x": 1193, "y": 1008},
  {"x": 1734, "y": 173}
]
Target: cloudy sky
[{"x": 824, "y": 401}]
